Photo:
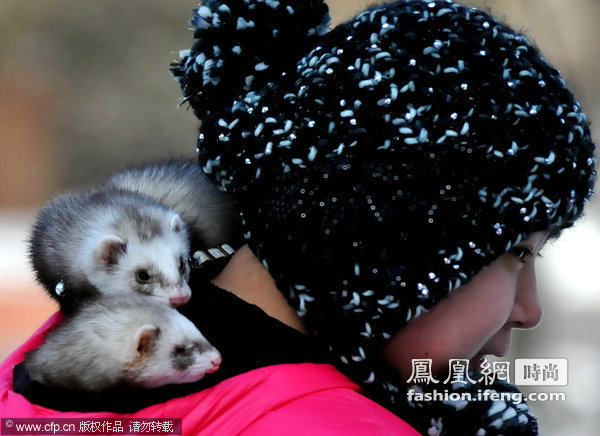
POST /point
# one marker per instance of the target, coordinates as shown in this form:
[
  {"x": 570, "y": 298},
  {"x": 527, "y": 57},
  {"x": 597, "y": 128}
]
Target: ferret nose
[
  {"x": 217, "y": 361},
  {"x": 216, "y": 364},
  {"x": 178, "y": 300}
]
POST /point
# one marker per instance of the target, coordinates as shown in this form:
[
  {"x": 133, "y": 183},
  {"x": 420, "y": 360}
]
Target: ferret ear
[
  {"x": 176, "y": 223},
  {"x": 109, "y": 249},
  {"x": 145, "y": 338}
]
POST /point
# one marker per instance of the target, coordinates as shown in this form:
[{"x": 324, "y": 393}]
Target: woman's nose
[{"x": 527, "y": 310}]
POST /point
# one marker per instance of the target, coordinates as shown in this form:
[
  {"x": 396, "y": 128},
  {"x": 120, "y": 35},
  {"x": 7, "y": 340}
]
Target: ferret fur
[{"x": 181, "y": 185}]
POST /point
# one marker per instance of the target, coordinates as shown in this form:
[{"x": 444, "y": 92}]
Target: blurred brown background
[{"x": 85, "y": 89}]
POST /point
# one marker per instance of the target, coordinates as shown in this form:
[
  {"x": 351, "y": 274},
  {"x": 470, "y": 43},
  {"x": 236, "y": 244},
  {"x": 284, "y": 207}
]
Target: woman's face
[{"x": 477, "y": 318}]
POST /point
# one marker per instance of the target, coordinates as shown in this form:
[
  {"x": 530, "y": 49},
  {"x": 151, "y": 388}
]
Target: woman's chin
[{"x": 476, "y": 361}]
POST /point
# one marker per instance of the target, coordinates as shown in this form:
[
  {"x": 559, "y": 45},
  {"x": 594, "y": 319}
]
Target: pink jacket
[{"x": 291, "y": 399}]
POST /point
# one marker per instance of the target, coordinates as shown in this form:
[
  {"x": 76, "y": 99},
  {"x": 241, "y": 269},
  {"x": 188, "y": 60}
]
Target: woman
[{"x": 397, "y": 176}]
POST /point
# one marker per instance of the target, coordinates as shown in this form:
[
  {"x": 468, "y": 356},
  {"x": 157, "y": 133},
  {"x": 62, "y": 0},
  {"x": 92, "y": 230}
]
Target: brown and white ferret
[
  {"x": 131, "y": 235},
  {"x": 122, "y": 340}
]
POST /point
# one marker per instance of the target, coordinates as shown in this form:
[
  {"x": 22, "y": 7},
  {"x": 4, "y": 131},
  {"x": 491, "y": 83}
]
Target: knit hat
[{"x": 382, "y": 164}]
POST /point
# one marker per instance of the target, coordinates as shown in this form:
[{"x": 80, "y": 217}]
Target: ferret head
[
  {"x": 122, "y": 339},
  {"x": 172, "y": 351},
  {"x": 147, "y": 253}
]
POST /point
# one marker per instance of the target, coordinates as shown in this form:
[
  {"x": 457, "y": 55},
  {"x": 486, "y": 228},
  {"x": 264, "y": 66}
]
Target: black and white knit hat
[{"x": 381, "y": 164}]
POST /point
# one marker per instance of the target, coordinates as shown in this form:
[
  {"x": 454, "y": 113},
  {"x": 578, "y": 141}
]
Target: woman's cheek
[{"x": 461, "y": 325}]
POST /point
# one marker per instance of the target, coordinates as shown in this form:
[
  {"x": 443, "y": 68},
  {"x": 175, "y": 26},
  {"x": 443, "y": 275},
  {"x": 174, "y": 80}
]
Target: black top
[{"x": 244, "y": 334}]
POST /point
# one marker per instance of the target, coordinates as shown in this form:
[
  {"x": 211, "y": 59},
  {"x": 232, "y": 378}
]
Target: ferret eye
[
  {"x": 182, "y": 264},
  {"x": 180, "y": 349},
  {"x": 142, "y": 276}
]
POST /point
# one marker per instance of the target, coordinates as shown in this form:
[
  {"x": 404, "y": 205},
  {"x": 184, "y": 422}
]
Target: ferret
[
  {"x": 126, "y": 339},
  {"x": 132, "y": 233},
  {"x": 181, "y": 185}
]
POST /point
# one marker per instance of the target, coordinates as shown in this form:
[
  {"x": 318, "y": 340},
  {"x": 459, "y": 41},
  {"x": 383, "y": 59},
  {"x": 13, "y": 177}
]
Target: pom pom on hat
[{"x": 243, "y": 45}]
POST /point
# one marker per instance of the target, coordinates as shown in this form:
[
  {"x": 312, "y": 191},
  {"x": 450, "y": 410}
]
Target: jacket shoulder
[{"x": 291, "y": 399}]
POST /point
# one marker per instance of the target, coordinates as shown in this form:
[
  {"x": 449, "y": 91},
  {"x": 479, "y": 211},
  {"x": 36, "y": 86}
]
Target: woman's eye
[
  {"x": 521, "y": 253},
  {"x": 142, "y": 276}
]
